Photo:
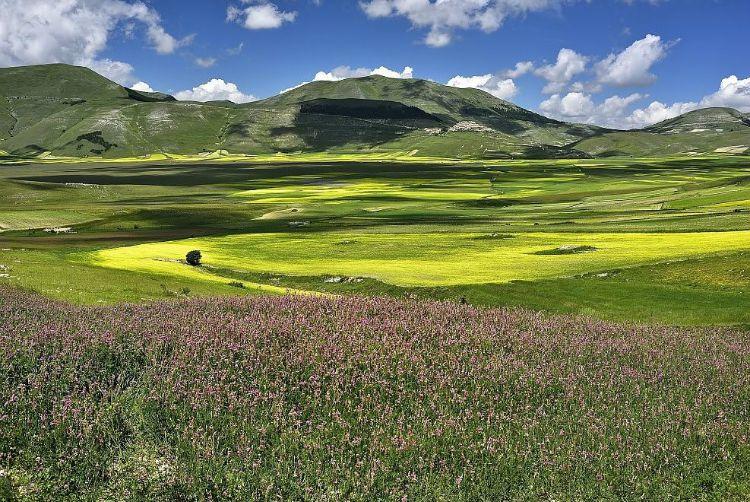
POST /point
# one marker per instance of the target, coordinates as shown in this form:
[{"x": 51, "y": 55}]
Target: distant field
[{"x": 664, "y": 240}]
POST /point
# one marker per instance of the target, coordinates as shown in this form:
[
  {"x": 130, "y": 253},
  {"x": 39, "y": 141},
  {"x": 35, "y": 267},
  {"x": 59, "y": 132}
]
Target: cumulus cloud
[
  {"x": 343, "y": 72},
  {"x": 498, "y": 87},
  {"x": 616, "y": 112},
  {"x": 407, "y": 72},
  {"x": 443, "y": 17},
  {"x": 521, "y": 69},
  {"x": 580, "y": 107},
  {"x": 164, "y": 43},
  {"x": 733, "y": 92},
  {"x": 142, "y": 87},
  {"x": 215, "y": 90},
  {"x": 568, "y": 64},
  {"x": 118, "y": 71},
  {"x": 632, "y": 67},
  {"x": 572, "y": 106},
  {"x": 656, "y": 112},
  {"x": 76, "y": 32},
  {"x": 259, "y": 15}
]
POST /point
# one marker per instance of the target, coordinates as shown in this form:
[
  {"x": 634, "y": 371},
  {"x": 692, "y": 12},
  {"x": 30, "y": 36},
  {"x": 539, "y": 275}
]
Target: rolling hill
[
  {"x": 710, "y": 130},
  {"x": 71, "y": 111}
]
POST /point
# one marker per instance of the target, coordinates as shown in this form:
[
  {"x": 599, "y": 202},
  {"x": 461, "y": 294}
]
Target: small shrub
[
  {"x": 237, "y": 284},
  {"x": 193, "y": 258}
]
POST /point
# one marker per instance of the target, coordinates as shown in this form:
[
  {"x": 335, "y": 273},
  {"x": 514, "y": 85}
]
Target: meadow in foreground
[{"x": 363, "y": 398}]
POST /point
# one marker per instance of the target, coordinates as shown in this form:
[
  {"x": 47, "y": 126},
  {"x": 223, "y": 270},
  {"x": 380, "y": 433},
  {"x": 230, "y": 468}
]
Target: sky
[{"x": 616, "y": 63}]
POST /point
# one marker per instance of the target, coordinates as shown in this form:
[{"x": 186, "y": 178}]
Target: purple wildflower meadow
[{"x": 362, "y": 398}]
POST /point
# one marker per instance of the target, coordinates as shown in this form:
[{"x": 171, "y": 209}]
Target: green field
[{"x": 658, "y": 240}]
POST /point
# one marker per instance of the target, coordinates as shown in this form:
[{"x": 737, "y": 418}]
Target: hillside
[
  {"x": 72, "y": 111},
  {"x": 472, "y": 122},
  {"x": 710, "y": 130}
]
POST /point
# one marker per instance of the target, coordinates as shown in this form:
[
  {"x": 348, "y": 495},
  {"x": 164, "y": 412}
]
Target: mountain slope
[
  {"x": 709, "y": 130},
  {"x": 72, "y": 111},
  {"x": 706, "y": 119},
  {"x": 29, "y": 94},
  {"x": 462, "y": 110}
]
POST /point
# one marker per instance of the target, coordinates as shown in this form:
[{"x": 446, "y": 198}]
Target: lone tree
[{"x": 193, "y": 258}]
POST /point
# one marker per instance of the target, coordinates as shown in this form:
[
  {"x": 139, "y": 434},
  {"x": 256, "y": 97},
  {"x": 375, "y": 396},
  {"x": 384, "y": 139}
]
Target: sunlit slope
[
  {"x": 28, "y": 94},
  {"x": 72, "y": 111},
  {"x": 125, "y": 129},
  {"x": 426, "y": 259},
  {"x": 710, "y": 130}
]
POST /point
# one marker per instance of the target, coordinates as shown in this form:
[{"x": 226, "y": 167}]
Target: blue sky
[{"x": 613, "y": 62}]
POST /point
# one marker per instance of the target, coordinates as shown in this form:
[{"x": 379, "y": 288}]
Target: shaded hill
[
  {"x": 504, "y": 127},
  {"x": 367, "y": 109},
  {"x": 72, "y": 111},
  {"x": 709, "y": 130}
]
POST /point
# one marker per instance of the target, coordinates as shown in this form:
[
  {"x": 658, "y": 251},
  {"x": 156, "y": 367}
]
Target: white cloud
[
  {"x": 205, "y": 62},
  {"x": 164, "y": 43},
  {"x": 443, "y": 17},
  {"x": 259, "y": 16},
  {"x": 632, "y": 67},
  {"x": 615, "y": 111},
  {"x": 521, "y": 69},
  {"x": 215, "y": 90},
  {"x": 438, "y": 38},
  {"x": 588, "y": 87},
  {"x": 568, "y": 64},
  {"x": 733, "y": 92},
  {"x": 118, "y": 71},
  {"x": 573, "y": 106},
  {"x": 76, "y": 32},
  {"x": 498, "y": 87},
  {"x": 343, "y": 72},
  {"x": 614, "y": 107},
  {"x": 142, "y": 87},
  {"x": 580, "y": 107},
  {"x": 407, "y": 72},
  {"x": 656, "y": 112}
]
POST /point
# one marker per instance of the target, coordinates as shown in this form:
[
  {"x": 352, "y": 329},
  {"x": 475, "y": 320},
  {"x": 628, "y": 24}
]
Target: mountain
[
  {"x": 72, "y": 111},
  {"x": 467, "y": 122},
  {"x": 709, "y": 130}
]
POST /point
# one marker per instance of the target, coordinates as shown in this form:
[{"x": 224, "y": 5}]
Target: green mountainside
[
  {"x": 710, "y": 130},
  {"x": 72, "y": 111}
]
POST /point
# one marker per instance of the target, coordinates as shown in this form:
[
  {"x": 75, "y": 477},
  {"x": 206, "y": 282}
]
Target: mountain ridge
[{"x": 73, "y": 111}]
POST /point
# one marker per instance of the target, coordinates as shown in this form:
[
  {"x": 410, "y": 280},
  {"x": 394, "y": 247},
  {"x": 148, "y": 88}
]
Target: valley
[
  {"x": 383, "y": 250},
  {"x": 651, "y": 240}
]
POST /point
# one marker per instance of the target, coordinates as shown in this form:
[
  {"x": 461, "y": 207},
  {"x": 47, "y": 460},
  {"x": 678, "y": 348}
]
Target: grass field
[
  {"x": 658, "y": 240},
  {"x": 157, "y": 380},
  {"x": 354, "y": 398}
]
